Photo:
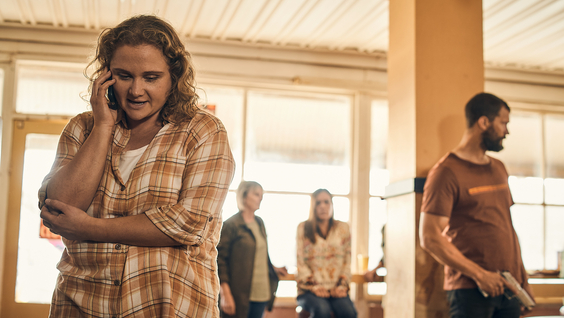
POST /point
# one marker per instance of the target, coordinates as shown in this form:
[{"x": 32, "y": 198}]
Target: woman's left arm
[{"x": 208, "y": 173}]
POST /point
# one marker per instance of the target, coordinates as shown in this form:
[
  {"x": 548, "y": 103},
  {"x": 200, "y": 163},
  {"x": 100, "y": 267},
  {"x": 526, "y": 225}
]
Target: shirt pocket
[{"x": 165, "y": 178}]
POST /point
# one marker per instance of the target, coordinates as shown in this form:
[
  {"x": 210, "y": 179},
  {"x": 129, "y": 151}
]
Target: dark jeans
[
  {"x": 470, "y": 303},
  {"x": 322, "y": 307},
  {"x": 256, "y": 309}
]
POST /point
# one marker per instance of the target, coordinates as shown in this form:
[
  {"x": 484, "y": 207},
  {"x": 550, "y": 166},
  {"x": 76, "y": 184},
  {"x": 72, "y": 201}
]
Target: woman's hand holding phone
[{"x": 103, "y": 115}]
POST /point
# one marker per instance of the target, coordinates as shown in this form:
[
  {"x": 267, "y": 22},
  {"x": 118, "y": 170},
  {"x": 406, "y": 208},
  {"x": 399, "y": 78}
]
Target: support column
[
  {"x": 360, "y": 186},
  {"x": 7, "y": 107},
  {"x": 435, "y": 65}
]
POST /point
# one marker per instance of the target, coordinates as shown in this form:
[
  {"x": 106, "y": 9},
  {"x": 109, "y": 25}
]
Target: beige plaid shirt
[{"x": 180, "y": 183}]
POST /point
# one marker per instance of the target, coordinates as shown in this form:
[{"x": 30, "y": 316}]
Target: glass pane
[
  {"x": 528, "y": 223},
  {"x": 298, "y": 143},
  {"x": 526, "y": 190},
  {"x": 229, "y": 206},
  {"x": 554, "y": 235},
  {"x": 341, "y": 209},
  {"x": 554, "y": 130},
  {"x": 51, "y": 90},
  {"x": 37, "y": 257},
  {"x": 377, "y": 219},
  {"x": 553, "y": 190},
  {"x": 379, "y": 176},
  {"x": 281, "y": 214},
  {"x": 525, "y": 133},
  {"x": 377, "y": 288},
  {"x": 227, "y": 104}
]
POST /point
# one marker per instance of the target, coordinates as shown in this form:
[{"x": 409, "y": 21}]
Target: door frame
[{"x": 21, "y": 128}]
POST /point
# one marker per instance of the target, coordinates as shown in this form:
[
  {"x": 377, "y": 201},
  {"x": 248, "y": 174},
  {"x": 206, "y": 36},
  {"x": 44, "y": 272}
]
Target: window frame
[{"x": 541, "y": 111}]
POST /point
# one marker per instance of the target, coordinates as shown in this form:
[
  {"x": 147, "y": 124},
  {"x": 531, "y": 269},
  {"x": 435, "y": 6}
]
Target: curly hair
[{"x": 181, "y": 104}]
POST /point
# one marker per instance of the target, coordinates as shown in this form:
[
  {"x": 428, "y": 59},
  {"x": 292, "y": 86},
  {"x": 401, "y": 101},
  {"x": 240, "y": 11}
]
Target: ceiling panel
[{"x": 517, "y": 33}]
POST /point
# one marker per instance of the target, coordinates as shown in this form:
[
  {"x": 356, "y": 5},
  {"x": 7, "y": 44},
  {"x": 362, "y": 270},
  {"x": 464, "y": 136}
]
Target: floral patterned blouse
[{"x": 327, "y": 262}]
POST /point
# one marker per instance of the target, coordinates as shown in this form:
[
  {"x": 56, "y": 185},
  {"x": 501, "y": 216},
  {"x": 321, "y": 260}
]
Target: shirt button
[
  {"x": 210, "y": 218},
  {"x": 118, "y": 246},
  {"x": 122, "y": 188},
  {"x": 117, "y": 282}
]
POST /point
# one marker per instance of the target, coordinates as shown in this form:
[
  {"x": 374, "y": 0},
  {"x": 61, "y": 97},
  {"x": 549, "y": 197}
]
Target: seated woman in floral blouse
[{"x": 324, "y": 261}]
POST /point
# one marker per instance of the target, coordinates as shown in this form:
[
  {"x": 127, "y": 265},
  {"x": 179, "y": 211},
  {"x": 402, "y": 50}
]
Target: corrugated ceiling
[{"x": 517, "y": 33}]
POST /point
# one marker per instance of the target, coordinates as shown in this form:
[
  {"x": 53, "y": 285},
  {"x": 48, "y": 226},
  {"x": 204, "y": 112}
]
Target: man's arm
[{"x": 433, "y": 241}]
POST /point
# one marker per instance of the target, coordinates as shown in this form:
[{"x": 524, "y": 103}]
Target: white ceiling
[{"x": 517, "y": 33}]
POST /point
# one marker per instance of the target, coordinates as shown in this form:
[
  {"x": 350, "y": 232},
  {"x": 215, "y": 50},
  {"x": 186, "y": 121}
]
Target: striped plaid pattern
[{"x": 180, "y": 183}]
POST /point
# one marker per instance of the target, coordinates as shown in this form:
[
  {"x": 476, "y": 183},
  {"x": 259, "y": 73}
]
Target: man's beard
[{"x": 490, "y": 141}]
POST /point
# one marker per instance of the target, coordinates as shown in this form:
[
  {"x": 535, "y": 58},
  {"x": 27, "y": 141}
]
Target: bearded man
[{"x": 465, "y": 219}]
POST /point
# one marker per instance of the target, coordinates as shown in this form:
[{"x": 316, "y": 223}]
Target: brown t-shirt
[{"x": 477, "y": 199}]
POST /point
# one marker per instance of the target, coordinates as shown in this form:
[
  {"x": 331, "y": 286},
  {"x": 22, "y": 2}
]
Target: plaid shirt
[{"x": 180, "y": 183}]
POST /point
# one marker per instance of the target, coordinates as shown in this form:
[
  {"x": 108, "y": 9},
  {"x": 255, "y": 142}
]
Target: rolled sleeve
[{"x": 207, "y": 175}]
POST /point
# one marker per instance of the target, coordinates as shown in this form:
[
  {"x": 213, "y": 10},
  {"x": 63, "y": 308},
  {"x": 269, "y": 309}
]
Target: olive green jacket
[{"x": 235, "y": 260}]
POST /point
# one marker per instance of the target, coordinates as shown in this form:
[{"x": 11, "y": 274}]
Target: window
[
  {"x": 51, "y": 89},
  {"x": 227, "y": 104},
  {"x": 379, "y": 179},
  {"x": 292, "y": 144},
  {"x": 298, "y": 143},
  {"x": 535, "y": 161}
]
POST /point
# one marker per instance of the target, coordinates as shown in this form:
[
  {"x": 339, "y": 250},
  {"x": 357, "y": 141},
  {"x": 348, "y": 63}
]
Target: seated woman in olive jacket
[{"x": 248, "y": 278}]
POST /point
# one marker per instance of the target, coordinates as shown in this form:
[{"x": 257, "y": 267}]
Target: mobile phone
[{"x": 112, "y": 101}]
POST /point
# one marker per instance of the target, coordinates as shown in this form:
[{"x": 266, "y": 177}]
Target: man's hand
[
  {"x": 281, "y": 271},
  {"x": 319, "y": 291},
  {"x": 493, "y": 283},
  {"x": 370, "y": 276},
  {"x": 69, "y": 222}
]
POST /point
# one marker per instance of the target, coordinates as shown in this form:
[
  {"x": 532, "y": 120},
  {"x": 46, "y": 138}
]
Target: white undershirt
[{"x": 128, "y": 161}]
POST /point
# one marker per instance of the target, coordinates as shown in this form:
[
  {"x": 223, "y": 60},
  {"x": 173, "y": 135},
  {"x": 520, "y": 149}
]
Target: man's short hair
[{"x": 483, "y": 104}]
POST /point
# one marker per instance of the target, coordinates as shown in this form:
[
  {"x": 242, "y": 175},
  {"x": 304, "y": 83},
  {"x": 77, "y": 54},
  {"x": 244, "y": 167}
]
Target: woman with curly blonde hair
[{"x": 138, "y": 184}]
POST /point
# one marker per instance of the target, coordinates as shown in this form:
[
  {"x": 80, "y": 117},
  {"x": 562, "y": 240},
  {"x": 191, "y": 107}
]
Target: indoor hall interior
[{"x": 361, "y": 97}]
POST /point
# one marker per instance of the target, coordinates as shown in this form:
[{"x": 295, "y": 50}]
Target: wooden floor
[{"x": 376, "y": 311}]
